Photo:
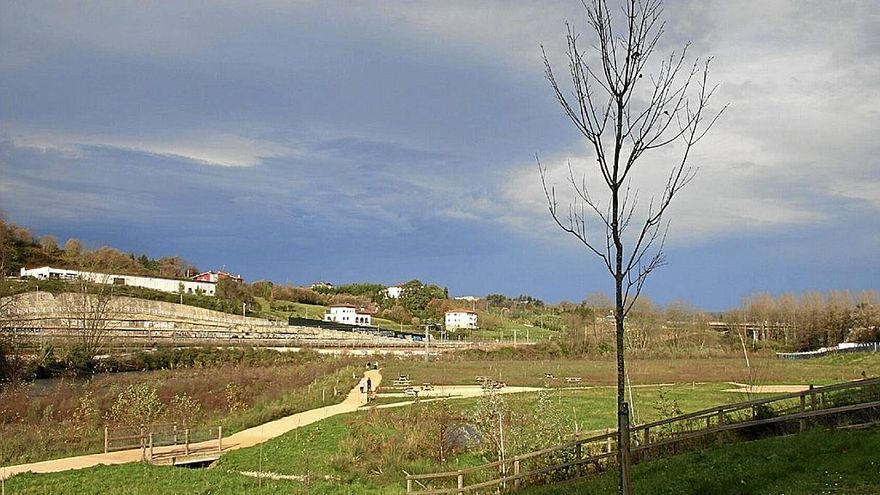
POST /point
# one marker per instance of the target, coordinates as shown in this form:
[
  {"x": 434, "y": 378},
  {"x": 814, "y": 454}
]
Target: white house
[
  {"x": 348, "y": 314},
  {"x": 467, "y": 298},
  {"x": 394, "y": 292},
  {"x": 215, "y": 277},
  {"x": 461, "y": 318},
  {"x": 161, "y": 284}
]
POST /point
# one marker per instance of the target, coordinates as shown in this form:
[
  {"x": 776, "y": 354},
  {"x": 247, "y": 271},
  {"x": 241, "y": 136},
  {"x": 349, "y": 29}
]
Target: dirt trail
[
  {"x": 244, "y": 438},
  {"x": 766, "y": 389}
]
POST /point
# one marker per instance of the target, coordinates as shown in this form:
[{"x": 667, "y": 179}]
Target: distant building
[
  {"x": 461, "y": 318},
  {"x": 161, "y": 284},
  {"x": 393, "y": 292},
  {"x": 215, "y": 277},
  {"x": 467, "y": 298},
  {"x": 348, "y": 314},
  {"x": 321, "y": 285}
]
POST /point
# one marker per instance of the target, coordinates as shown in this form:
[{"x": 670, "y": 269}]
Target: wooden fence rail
[{"x": 576, "y": 458}]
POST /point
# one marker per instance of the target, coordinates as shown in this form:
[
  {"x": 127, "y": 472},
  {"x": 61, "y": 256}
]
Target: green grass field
[
  {"x": 766, "y": 369},
  {"x": 819, "y": 462},
  {"x": 811, "y": 463},
  {"x": 510, "y": 328},
  {"x": 335, "y": 456}
]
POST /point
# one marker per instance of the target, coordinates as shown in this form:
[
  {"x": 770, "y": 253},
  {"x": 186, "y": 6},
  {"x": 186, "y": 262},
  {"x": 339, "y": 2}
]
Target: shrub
[
  {"x": 137, "y": 404},
  {"x": 184, "y": 409}
]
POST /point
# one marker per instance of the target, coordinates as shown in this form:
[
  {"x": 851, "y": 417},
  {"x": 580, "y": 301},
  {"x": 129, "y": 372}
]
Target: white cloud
[
  {"x": 800, "y": 135},
  {"x": 209, "y": 148}
]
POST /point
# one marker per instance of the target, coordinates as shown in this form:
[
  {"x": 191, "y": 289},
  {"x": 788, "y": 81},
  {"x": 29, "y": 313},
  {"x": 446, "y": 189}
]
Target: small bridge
[{"x": 168, "y": 444}]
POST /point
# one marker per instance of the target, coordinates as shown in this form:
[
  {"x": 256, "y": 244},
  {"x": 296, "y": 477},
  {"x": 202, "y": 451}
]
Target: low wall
[
  {"x": 62, "y": 315},
  {"x": 825, "y": 351}
]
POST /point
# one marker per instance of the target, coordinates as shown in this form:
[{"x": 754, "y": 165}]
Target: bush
[{"x": 137, "y": 404}]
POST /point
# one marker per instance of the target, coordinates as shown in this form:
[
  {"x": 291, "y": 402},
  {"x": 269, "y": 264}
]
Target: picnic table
[{"x": 402, "y": 381}]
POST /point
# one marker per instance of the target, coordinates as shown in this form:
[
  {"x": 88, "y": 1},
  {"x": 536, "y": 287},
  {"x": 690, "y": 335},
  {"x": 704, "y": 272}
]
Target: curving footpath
[{"x": 242, "y": 439}]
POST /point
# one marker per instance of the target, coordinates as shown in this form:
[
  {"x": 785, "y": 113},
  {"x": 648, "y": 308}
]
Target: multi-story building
[
  {"x": 348, "y": 314},
  {"x": 461, "y": 318}
]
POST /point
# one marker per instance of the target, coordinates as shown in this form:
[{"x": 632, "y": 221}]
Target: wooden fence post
[
  {"x": 175, "y": 433},
  {"x": 803, "y": 422},
  {"x": 106, "y": 439},
  {"x": 151, "y": 445},
  {"x": 219, "y": 439},
  {"x": 516, "y": 473},
  {"x": 623, "y": 445},
  {"x": 460, "y": 483},
  {"x": 812, "y": 398},
  {"x": 186, "y": 441},
  {"x": 408, "y": 485},
  {"x": 647, "y": 436},
  {"x": 608, "y": 440},
  {"x": 143, "y": 443}
]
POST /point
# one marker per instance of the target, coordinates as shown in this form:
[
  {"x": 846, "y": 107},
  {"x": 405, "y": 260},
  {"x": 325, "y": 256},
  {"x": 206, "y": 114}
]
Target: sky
[{"x": 386, "y": 141}]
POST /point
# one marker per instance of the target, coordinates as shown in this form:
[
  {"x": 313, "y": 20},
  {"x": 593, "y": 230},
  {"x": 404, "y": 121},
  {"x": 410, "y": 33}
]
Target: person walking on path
[{"x": 369, "y": 385}]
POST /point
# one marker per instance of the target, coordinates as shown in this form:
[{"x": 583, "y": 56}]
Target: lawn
[
  {"x": 313, "y": 311},
  {"x": 368, "y": 452},
  {"x": 766, "y": 369},
  {"x": 812, "y": 463},
  {"x": 829, "y": 462}
]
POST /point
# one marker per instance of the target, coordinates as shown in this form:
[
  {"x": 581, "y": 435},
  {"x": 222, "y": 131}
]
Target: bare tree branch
[{"x": 673, "y": 108}]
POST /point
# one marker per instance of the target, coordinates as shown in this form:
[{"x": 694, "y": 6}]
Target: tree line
[{"x": 19, "y": 247}]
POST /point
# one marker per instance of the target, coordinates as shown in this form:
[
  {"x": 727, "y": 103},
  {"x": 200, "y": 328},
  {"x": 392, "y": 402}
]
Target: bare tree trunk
[{"x": 621, "y": 124}]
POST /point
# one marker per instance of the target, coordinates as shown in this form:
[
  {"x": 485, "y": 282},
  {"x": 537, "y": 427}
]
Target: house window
[{"x": 118, "y": 281}]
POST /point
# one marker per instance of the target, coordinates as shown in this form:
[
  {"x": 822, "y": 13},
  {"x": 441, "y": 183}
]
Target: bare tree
[
  {"x": 11, "y": 364},
  {"x": 93, "y": 311},
  {"x": 623, "y": 115}
]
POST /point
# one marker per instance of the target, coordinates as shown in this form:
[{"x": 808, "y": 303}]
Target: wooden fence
[
  {"x": 583, "y": 456},
  {"x": 156, "y": 441}
]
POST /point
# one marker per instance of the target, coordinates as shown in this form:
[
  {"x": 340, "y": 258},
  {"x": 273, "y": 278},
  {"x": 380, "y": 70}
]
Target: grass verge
[{"x": 817, "y": 462}]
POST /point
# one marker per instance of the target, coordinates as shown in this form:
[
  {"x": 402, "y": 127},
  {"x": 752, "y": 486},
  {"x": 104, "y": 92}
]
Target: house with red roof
[{"x": 348, "y": 314}]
